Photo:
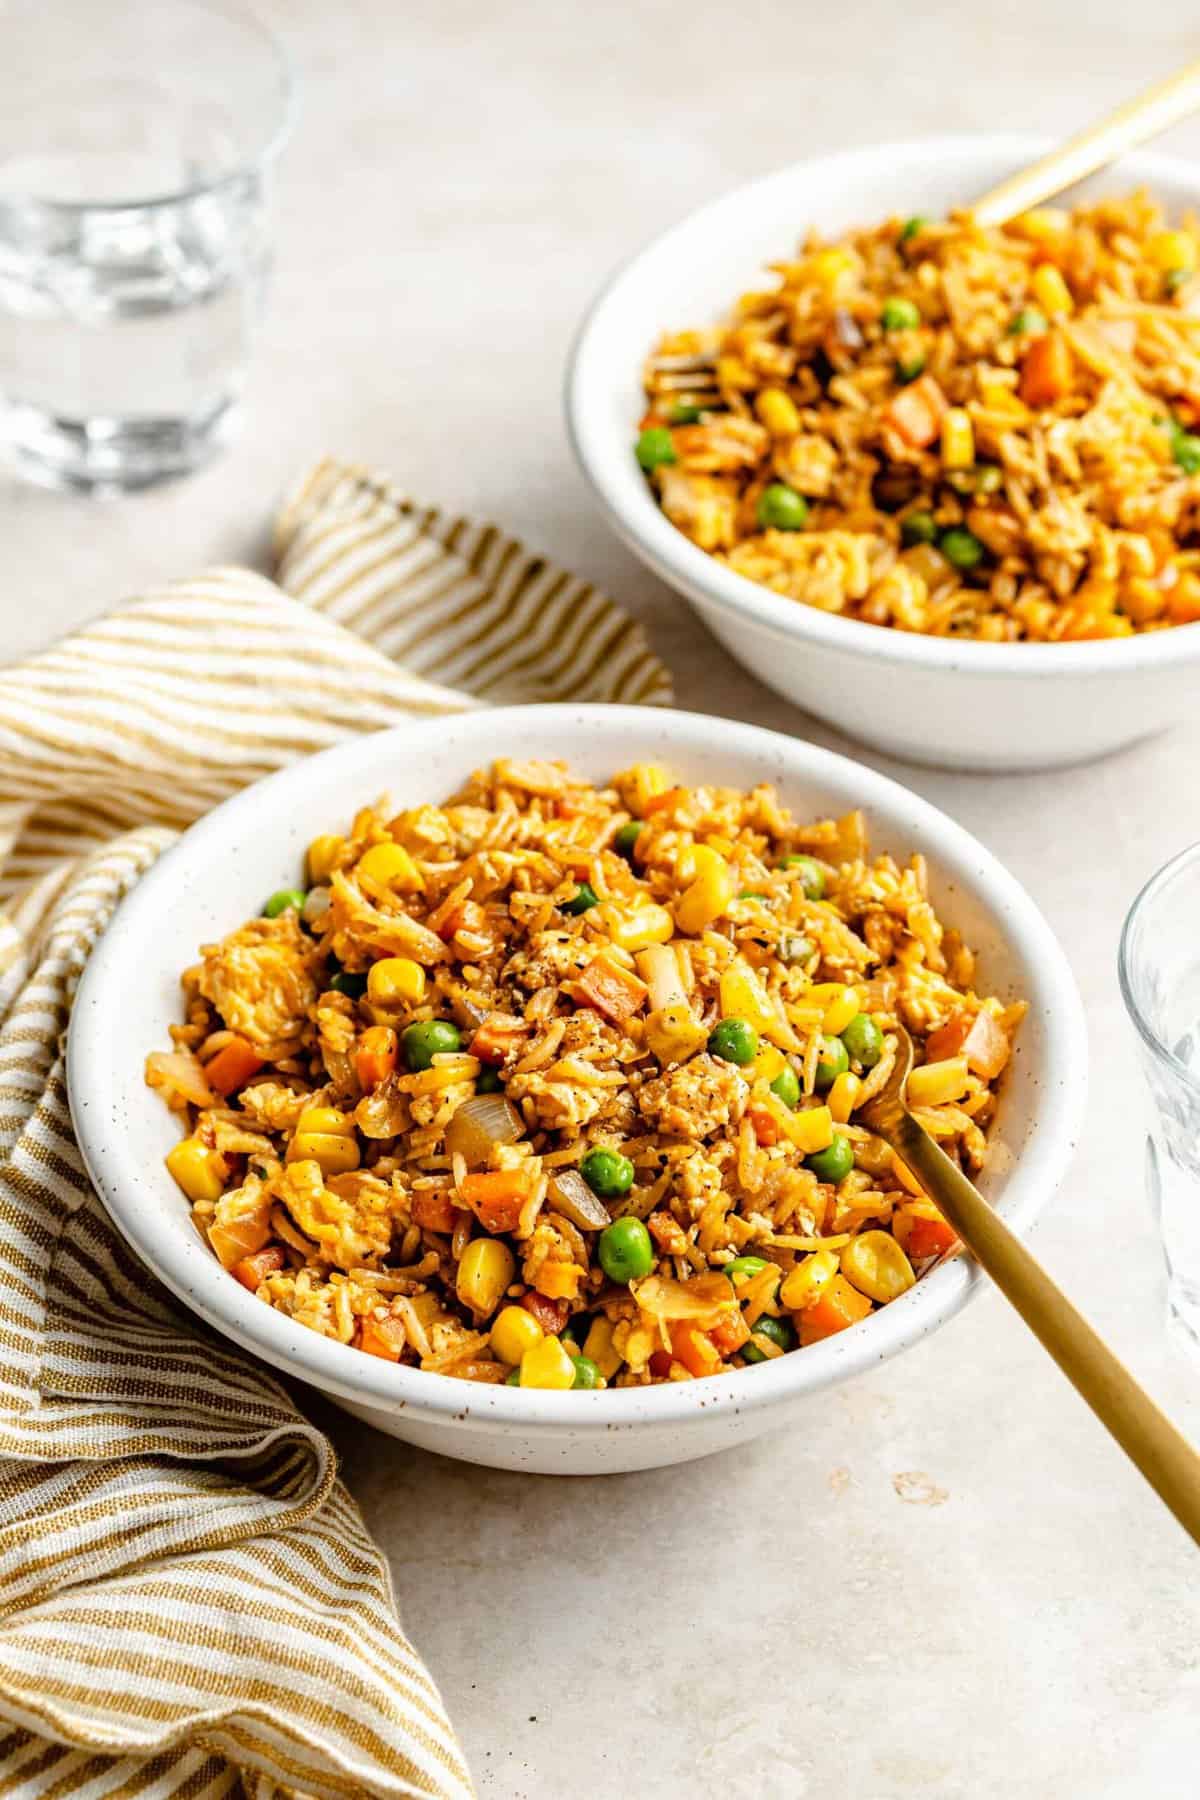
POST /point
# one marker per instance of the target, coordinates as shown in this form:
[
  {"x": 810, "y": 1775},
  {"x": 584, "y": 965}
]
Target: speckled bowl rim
[
  {"x": 603, "y": 449},
  {"x": 104, "y": 1070}
]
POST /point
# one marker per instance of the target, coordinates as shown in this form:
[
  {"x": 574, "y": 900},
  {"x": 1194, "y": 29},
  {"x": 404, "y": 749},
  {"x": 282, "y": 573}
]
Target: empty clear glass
[
  {"x": 136, "y": 147},
  {"x": 1160, "y": 983}
]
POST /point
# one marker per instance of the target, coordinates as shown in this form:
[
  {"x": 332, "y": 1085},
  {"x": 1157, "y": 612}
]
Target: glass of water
[
  {"x": 137, "y": 143},
  {"x": 1159, "y": 969}
]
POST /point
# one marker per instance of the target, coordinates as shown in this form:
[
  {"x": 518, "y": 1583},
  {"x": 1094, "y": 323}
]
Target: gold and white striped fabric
[{"x": 190, "y": 1604}]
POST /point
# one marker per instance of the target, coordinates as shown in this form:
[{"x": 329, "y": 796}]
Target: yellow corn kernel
[
  {"x": 1051, "y": 291},
  {"x": 875, "y": 1264},
  {"x": 843, "y": 1096},
  {"x": 599, "y": 1348},
  {"x": 673, "y": 1034},
  {"x": 732, "y": 372},
  {"x": 805, "y": 1283},
  {"x": 933, "y": 1084},
  {"x": 391, "y": 866},
  {"x": 334, "y": 1155},
  {"x": 514, "y": 1331},
  {"x": 778, "y": 412},
  {"x": 958, "y": 439},
  {"x": 396, "y": 981},
  {"x": 1169, "y": 250},
  {"x": 1043, "y": 225},
  {"x": 636, "y": 928},
  {"x": 323, "y": 852},
  {"x": 997, "y": 397},
  {"x": 644, "y": 781},
  {"x": 839, "y": 1005},
  {"x": 744, "y": 997},
  {"x": 707, "y": 896},
  {"x": 767, "y": 1064},
  {"x": 832, "y": 269},
  {"x": 485, "y": 1269},
  {"x": 547, "y": 1365},
  {"x": 328, "y": 1119},
  {"x": 200, "y": 1171},
  {"x": 810, "y": 1131}
]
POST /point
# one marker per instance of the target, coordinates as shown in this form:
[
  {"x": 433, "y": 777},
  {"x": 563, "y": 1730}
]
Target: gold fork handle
[
  {"x": 1156, "y": 110},
  {"x": 1147, "y": 1436}
]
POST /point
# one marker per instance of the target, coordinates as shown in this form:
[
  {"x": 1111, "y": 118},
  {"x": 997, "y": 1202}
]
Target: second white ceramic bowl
[
  {"x": 935, "y": 700},
  {"x": 217, "y": 876}
]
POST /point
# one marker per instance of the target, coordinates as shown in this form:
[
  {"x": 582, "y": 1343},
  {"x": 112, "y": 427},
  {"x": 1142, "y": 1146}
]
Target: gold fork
[
  {"x": 691, "y": 380},
  {"x": 1160, "y": 1451}
]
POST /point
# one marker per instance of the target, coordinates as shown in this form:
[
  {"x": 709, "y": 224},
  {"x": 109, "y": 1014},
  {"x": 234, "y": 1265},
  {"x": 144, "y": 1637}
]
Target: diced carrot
[
  {"x": 731, "y": 1333},
  {"x": 232, "y": 1066},
  {"x": 375, "y": 1058},
  {"x": 611, "y": 989},
  {"x": 929, "y": 1237},
  {"x": 695, "y": 1349},
  {"x": 1183, "y": 601},
  {"x": 382, "y": 1337},
  {"x": 837, "y": 1306},
  {"x": 979, "y": 1039},
  {"x": 765, "y": 1128},
  {"x": 551, "y": 1315},
  {"x": 660, "y": 1363},
  {"x": 253, "y": 1269},
  {"x": 433, "y": 1209},
  {"x": 669, "y": 798},
  {"x": 916, "y": 412},
  {"x": 496, "y": 1197},
  {"x": 496, "y": 1037},
  {"x": 1047, "y": 371}
]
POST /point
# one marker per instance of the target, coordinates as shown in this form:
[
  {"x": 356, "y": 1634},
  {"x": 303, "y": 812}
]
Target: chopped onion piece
[
  {"x": 701, "y": 1301},
  {"x": 479, "y": 1125},
  {"x": 570, "y": 1195}
]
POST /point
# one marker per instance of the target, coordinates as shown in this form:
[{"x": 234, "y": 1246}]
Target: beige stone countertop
[{"x": 792, "y": 1619}]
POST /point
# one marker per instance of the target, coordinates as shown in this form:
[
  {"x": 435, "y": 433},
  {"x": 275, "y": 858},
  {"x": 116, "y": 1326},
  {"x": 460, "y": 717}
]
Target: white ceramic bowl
[
  {"x": 217, "y": 876},
  {"x": 955, "y": 704}
]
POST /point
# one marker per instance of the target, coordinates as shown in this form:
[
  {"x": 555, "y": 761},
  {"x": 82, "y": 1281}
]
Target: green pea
[
  {"x": 1186, "y": 450},
  {"x": 831, "y": 1062},
  {"x": 428, "y": 1038},
  {"x": 607, "y": 1173},
  {"x": 626, "y": 836},
  {"x": 909, "y": 367},
  {"x": 745, "y": 1266},
  {"x": 488, "y": 1080},
  {"x": 779, "y": 1331},
  {"x": 911, "y": 227},
  {"x": 346, "y": 981},
  {"x": 787, "y": 1087},
  {"x": 899, "y": 315},
  {"x": 833, "y": 1164},
  {"x": 654, "y": 448},
  {"x": 584, "y": 897},
  {"x": 587, "y": 1375},
  {"x": 864, "y": 1040},
  {"x": 810, "y": 872},
  {"x": 625, "y": 1250},
  {"x": 961, "y": 548},
  {"x": 286, "y": 900},
  {"x": 782, "y": 508},
  {"x": 918, "y": 528},
  {"x": 513, "y": 1378},
  {"x": 733, "y": 1040},
  {"x": 1027, "y": 321},
  {"x": 685, "y": 412},
  {"x": 795, "y": 948}
]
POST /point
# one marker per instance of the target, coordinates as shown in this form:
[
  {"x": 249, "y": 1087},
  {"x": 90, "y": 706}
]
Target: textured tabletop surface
[{"x": 943, "y": 1581}]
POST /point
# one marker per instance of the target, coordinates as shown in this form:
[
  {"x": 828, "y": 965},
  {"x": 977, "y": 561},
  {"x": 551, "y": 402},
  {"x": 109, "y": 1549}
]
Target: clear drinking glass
[
  {"x": 136, "y": 148},
  {"x": 1159, "y": 966}
]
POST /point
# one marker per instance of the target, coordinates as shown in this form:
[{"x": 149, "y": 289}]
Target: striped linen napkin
[{"x": 190, "y": 1603}]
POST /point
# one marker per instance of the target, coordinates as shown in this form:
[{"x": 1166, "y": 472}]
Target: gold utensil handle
[
  {"x": 1163, "y": 1454},
  {"x": 1156, "y": 110}
]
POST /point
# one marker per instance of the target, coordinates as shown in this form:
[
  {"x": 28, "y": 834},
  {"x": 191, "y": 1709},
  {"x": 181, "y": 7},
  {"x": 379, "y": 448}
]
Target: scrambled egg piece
[
  {"x": 695, "y": 1100},
  {"x": 349, "y": 1218},
  {"x": 261, "y": 982}
]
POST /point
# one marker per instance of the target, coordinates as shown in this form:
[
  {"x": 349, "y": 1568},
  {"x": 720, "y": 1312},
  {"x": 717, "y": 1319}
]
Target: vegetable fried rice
[
  {"x": 557, "y": 1085},
  {"x": 945, "y": 429}
]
